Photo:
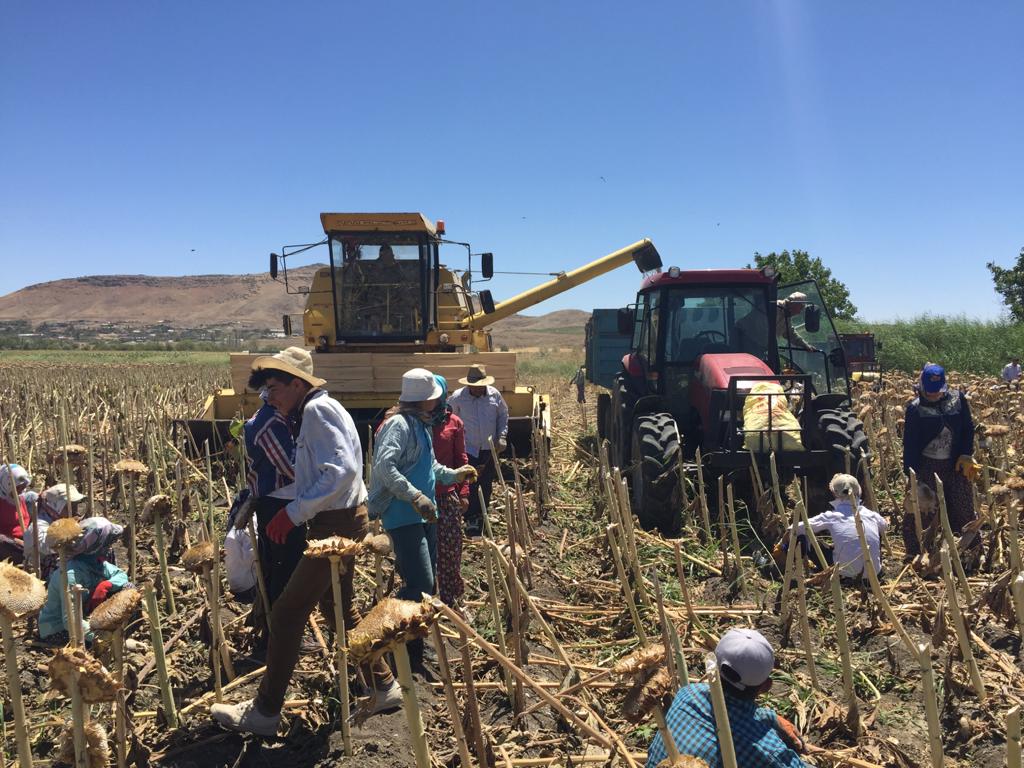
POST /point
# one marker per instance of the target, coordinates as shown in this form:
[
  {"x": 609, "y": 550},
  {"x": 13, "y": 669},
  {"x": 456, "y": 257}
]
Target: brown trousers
[{"x": 309, "y": 585}]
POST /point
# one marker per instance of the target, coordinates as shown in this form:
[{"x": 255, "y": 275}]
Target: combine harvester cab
[
  {"x": 385, "y": 304},
  {"x": 714, "y": 369}
]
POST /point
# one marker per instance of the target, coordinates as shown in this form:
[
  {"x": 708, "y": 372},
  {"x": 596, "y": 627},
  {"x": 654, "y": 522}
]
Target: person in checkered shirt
[{"x": 762, "y": 739}]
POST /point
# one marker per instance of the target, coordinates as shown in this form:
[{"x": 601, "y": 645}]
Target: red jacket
[
  {"x": 13, "y": 521},
  {"x": 450, "y": 450}
]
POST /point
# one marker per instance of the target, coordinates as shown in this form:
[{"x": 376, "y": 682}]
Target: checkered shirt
[{"x": 691, "y": 721}]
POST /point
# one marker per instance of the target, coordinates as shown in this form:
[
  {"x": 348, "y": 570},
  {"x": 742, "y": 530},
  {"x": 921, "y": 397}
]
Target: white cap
[
  {"x": 748, "y": 655},
  {"x": 797, "y": 297},
  {"x": 418, "y": 385},
  {"x": 57, "y": 496}
]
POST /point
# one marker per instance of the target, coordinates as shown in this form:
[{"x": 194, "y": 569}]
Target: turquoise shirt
[{"x": 87, "y": 571}]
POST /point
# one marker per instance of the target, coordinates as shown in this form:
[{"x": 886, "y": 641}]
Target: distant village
[{"x": 22, "y": 334}]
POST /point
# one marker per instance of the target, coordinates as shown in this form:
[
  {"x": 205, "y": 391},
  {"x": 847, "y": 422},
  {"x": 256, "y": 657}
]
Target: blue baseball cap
[{"x": 933, "y": 378}]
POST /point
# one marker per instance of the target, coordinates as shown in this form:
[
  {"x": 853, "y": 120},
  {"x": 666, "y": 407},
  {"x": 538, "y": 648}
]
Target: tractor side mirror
[
  {"x": 487, "y": 265},
  {"x": 286, "y": 325},
  {"x": 273, "y": 266},
  {"x": 812, "y": 318},
  {"x": 487, "y": 302},
  {"x": 625, "y": 321}
]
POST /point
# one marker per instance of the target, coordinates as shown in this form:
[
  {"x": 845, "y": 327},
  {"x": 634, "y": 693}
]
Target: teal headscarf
[{"x": 441, "y": 409}]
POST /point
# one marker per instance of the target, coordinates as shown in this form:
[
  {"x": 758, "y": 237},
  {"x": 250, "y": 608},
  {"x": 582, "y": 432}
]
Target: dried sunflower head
[
  {"x": 332, "y": 546},
  {"x": 645, "y": 694},
  {"x": 63, "y": 533},
  {"x": 21, "y": 593},
  {"x": 115, "y": 611},
  {"x": 94, "y": 682},
  {"x": 389, "y": 623},
  {"x": 97, "y": 752},
  {"x": 199, "y": 557},
  {"x": 131, "y": 467},
  {"x": 158, "y": 505},
  {"x": 641, "y": 661},
  {"x": 379, "y": 544},
  {"x": 684, "y": 761}
]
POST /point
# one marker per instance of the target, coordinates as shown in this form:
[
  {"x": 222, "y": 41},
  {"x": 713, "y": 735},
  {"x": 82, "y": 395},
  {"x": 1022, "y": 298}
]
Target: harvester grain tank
[{"x": 386, "y": 303}]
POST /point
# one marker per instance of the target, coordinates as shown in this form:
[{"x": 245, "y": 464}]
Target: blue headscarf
[{"x": 441, "y": 410}]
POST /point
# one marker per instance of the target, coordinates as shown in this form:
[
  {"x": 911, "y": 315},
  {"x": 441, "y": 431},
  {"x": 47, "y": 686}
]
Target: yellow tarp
[{"x": 785, "y": 429}]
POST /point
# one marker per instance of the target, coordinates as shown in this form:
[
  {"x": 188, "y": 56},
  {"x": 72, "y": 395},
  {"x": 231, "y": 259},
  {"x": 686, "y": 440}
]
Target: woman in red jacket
[
  {"x": 14, "y": 517},
  {"x": 452, "y": 500}
]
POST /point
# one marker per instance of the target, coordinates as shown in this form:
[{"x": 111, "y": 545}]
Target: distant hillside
[{"x": 233, "y": 301}]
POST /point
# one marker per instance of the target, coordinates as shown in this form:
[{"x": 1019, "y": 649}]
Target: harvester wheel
[
  {"x": 838, "y": 430},
  {"x": 656, "y": 497}
]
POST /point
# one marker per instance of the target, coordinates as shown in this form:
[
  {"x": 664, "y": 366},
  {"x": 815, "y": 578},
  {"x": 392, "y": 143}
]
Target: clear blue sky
[{"x": 886, "y": 138}]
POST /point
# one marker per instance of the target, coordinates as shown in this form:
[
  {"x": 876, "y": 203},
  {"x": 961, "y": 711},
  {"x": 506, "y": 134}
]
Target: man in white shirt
[
  {"x": 331, "y": 499},
  {"x": 485, "y": 415},
  {"x": 1011, "y": 372}
]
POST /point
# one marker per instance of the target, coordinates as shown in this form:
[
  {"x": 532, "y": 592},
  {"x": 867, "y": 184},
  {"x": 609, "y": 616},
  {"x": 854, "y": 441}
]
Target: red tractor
[{"x": 702, "y": 340}]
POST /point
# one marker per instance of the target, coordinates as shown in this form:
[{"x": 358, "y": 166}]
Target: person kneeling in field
[
  {"x": 90, "y": 568},
  {"x": 14, "y": 519},
  {"x": 841, "y": 525},
  {"x": 760, "y": 736}
]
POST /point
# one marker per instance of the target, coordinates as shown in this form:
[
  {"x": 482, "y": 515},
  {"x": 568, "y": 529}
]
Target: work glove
[
  {"x": 790, "y": 734},
  {"x": 463, "y": 504},
  {"x": 501, "y": 445},
  {"x": 425, "y": 507},
  {"x": 279, "y": 527},
  {"x": 968, "y": 467},
  {"x": 466, "y": 474},
  {"x": 101, "y": 593}
]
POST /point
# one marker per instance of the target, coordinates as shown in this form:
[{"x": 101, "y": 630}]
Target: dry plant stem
[
  {"x": 626, "y": 513},
  {"x": 157, "y": 638},
  {"x": 731, "y": 508},
  {"x": 211, "y": 527},
  {"x": 915, "y": 509},
  {"x": 725, "y": 742},
  {"x": 666, "y": 735},
  {"x": 218, "y": 693},
  {"x": 842, "y": 638},
  {"x": 756, "y": 470},
  {"x": 341, "y": 651},
  {"x": 666, "y": 631},
  {"x": 472, "y": 706},
  {"x": 76, "y": 629},
  {"x": 218, "y": 629},
  {"x": 626, "y": 589},
  {"x": 78, "y": 717},
  {"x": 133, "y": 533},
  {"x": 805, "y": 624},
  {"x": 791, "y": 555},
  {"x": 876, "y": 587},
  {"x": 37, "y": 566},
  {"x": 14, "y": 691},
  {"x": 65, "y": 596},
  {"x": 260, "y": 583},
  {"x": 449, "y": 692},
  {"x": 694, "y": 620},
  {"x": 519, "y": 674},
  {"x": 961, "y": 629},
  {"x": 723, "y": 535},
  {"x": 410, "y": 705},
  {"x": 1017, "y": 590},
  {"x": 924, "y": 655},
  {"x": 513, "y": 603},
  {"x": 499, "y": 633},
  {"x": 947, "y": 534},
  {"x": 1013, "y": 523},
  {"x": 702, "y": 491},
  {"x": 1013, "y": 756},
  {"x": 161, "y": 554},
  {"x": 90, "y": 478}
]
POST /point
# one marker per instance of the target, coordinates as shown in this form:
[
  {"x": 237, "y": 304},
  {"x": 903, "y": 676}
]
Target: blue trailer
[{"x": 605, "y": 347}]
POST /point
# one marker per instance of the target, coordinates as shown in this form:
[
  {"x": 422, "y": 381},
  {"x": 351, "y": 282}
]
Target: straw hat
[
  {"x": 294, "y": 360},
  {"x": 477, "y": 377}
]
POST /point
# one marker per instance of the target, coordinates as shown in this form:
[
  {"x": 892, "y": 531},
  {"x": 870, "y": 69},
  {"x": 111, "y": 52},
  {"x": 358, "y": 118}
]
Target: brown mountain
[{"x": 236, "y": 301}]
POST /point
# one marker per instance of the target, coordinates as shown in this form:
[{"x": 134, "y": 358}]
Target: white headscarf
[{"x": 20, "y": 475}]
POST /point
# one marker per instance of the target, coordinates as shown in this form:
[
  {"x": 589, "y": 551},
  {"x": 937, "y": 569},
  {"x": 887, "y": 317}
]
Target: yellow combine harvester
[{"x": 386, "y": 304}]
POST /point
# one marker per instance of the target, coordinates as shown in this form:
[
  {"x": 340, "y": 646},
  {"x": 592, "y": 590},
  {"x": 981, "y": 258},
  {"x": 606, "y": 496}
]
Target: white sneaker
[
  {"x": 244, "y": 717},
  {"x": 383, "y": 701}
]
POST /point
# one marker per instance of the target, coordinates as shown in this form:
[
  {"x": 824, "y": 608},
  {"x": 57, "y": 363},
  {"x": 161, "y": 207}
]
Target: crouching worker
[
  {"x": 841, "y": 526},
  {"x": 761, "y": 737},
  {"x": 14, "y": 519},
  {"x": 88, "y": 567},
  {"x": 330, "y": 500}
]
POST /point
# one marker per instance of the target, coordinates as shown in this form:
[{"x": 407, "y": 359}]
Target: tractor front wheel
[{"x": 656, "y": 495}]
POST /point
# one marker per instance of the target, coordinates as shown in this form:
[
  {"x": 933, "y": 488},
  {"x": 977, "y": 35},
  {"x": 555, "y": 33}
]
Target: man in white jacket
[{"x": 330, "y": 499}]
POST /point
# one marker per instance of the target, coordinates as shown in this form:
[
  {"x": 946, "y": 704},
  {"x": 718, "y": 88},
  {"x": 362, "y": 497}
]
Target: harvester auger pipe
[{"x": 642, "y": 252}]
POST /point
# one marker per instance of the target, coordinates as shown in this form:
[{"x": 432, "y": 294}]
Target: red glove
[
  {"x": 279, "y": 528},
  {"x": 101, "y": 593}
]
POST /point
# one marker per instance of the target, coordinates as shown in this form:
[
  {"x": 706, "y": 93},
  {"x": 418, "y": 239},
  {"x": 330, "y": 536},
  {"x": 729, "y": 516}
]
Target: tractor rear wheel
[
  {"x": 839, "y": 430},
  {"x": 604, "y": 407},
  {"x": 656, "y": 494}
]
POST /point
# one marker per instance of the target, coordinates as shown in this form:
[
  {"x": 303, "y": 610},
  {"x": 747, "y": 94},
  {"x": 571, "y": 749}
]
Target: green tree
[
  {"x": 1009, "y": 284},
  {"x": 798, "y": 265}
]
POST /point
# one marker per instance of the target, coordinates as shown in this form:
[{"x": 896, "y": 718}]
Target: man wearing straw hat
[
  {"x": 330, "y": 499},
  {"x": 485, "y": 416}
]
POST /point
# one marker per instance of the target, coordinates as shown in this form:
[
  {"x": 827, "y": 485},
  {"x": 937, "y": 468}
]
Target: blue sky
[{"x": 885, "y": 138}]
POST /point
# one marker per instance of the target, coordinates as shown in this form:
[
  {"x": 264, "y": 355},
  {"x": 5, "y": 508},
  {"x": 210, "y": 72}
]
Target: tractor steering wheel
[{"x": 713, "y": 337}]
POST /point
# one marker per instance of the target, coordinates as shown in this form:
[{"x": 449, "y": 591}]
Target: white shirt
[
  {"x": 840, "y": 524},
  {"x": 239, "y": 560},
  {"x": 328, "y": 460},
  {"x": 483, "y": 417},
  {"x": 1011, "y": 372}
]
